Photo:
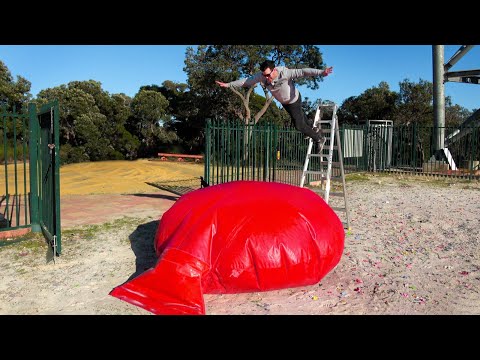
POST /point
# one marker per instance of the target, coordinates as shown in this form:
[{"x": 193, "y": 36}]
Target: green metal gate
[
  {"x": 30, "y": 185},
  {"x": 45, "y": 173}
]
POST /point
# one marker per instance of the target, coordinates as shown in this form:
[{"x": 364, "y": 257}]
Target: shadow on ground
[
  {"x": 175, "y": 189},
  {"x": 158, "y": 196},
  {"x": 142, "y": 243}
]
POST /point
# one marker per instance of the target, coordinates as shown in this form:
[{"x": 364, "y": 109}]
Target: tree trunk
[{"x": 249, "y": 127}]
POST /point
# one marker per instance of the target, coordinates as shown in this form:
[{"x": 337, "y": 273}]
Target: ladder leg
[
  {"x": 326, "y": 172},
  {"x": 342, "y": 172}
]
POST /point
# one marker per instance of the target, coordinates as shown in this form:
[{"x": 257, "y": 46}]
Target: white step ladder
[{"x": 325, "y": 164}]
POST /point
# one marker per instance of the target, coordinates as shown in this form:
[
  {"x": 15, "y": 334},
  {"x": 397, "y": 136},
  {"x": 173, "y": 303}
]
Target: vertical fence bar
[
  {"x": 213, "y": 161},
  {"x": 252, "y": 150},
  {"x": 415, "y": 146},
  {"x": 266, "y": 152},
  {"x": 217, "y": 152},
  {"x": 222, "y": 152},
  {"x": 237, "y": 149},
  {"x": 226, "y": 150},
  {"x": 15, "y": 169},
  {"x": 26, "y": 197},
  {"x": 33, "y": 147},
  {"x": 242, "y": 148},
  {"x": 5, "y": 156},
  {"x": 206, "y": 164},
  {"x": 475, "y": 151}
]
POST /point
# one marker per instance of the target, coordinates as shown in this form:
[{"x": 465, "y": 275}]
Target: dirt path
[{"x": 413, "y": 249}]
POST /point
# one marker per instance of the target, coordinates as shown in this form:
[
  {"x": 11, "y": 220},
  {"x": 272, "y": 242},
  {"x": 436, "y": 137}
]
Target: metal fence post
[{"x": 206, "y": 165}]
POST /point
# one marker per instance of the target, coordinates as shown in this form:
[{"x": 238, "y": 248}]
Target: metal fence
[
  {"x": 236, "y": 151},
  {"x": 267, "y": 152},
  {"x": 29, "y": 177},
  {"x": 14, "y": 182}
]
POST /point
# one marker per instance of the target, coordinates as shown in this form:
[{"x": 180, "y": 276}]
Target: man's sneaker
[
  {"x": 320, "y": 144},
  {"x": 316, "y": 129}
]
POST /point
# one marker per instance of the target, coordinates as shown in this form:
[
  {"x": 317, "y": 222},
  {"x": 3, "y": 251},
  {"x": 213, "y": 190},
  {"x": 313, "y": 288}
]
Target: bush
[{"x": 69, "y": 154}]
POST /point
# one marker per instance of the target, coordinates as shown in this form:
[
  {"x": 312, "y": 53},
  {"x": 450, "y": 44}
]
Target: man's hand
[
  {"x": 222, "y": 84},
  {"x": 327, "y": 71}
]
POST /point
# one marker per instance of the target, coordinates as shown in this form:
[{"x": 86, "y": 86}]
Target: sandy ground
[{"x": 413, "y": 248}]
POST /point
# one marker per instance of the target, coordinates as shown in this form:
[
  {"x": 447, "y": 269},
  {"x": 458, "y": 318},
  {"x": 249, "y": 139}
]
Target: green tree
[
  {"x": 124, "y": 142},
  {"x": 149, "y": 112},
  {"x": 184, "y": 116},
  {"x": 375, "y": 103},
  {"x": 102, "y": 99},
  {"x": 414, "y": 103},
  {"x": 455, "y": 114},
  {"x": 13, "y": 93},
  {"x": 73, "y": 103},
  {"x": 92, "y": 123}
]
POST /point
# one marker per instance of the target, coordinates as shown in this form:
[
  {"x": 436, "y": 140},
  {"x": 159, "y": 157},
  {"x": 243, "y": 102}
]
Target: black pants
[{"x": 299, "y": 120}]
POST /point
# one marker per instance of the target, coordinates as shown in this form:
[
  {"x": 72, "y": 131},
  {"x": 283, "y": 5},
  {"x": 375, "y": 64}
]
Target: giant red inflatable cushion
[{"x": 241, "y": 236}]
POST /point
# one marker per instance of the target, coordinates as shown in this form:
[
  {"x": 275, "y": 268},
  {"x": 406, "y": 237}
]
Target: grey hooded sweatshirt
[{"x": 282, "y": 88}]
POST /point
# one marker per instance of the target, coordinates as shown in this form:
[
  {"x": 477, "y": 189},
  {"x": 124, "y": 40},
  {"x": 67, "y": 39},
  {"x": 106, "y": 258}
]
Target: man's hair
[{"x": 267, "y": 64}]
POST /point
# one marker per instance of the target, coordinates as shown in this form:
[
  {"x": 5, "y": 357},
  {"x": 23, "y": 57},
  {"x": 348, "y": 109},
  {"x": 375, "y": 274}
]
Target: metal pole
[
  {"x": 438, "y": 97},
  {"x": 458, "y": 55},
  {"x": 206, "y": 168}
]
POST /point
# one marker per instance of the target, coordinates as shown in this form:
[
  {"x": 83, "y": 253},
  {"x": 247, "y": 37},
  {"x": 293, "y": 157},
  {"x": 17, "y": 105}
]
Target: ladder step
[{"x": 339, "y": 209}]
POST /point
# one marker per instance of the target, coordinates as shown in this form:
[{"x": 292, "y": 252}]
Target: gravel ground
[{"x": 413, "y": 248}]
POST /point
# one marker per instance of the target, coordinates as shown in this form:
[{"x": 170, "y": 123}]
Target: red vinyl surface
[{"x": 240, "y": 236}]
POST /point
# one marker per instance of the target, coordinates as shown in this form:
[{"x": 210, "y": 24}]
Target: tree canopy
[
  {"x": 13, "y": 93},
  {"x": 412, "y": 104}
]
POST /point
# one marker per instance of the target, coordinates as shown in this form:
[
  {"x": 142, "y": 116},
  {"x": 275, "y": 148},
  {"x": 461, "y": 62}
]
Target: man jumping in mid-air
[{"x": 278, "y": 80}]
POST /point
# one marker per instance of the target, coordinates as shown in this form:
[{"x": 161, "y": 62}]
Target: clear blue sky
[{"x": 124, "y": 68}]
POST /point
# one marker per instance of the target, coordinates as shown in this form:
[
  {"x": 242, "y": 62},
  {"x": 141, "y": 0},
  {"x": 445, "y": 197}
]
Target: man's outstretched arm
[
  {"x": 300, "y": 73},
  {"x": 252, "y": 80},
  {"x": 222, "y": 84}
]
